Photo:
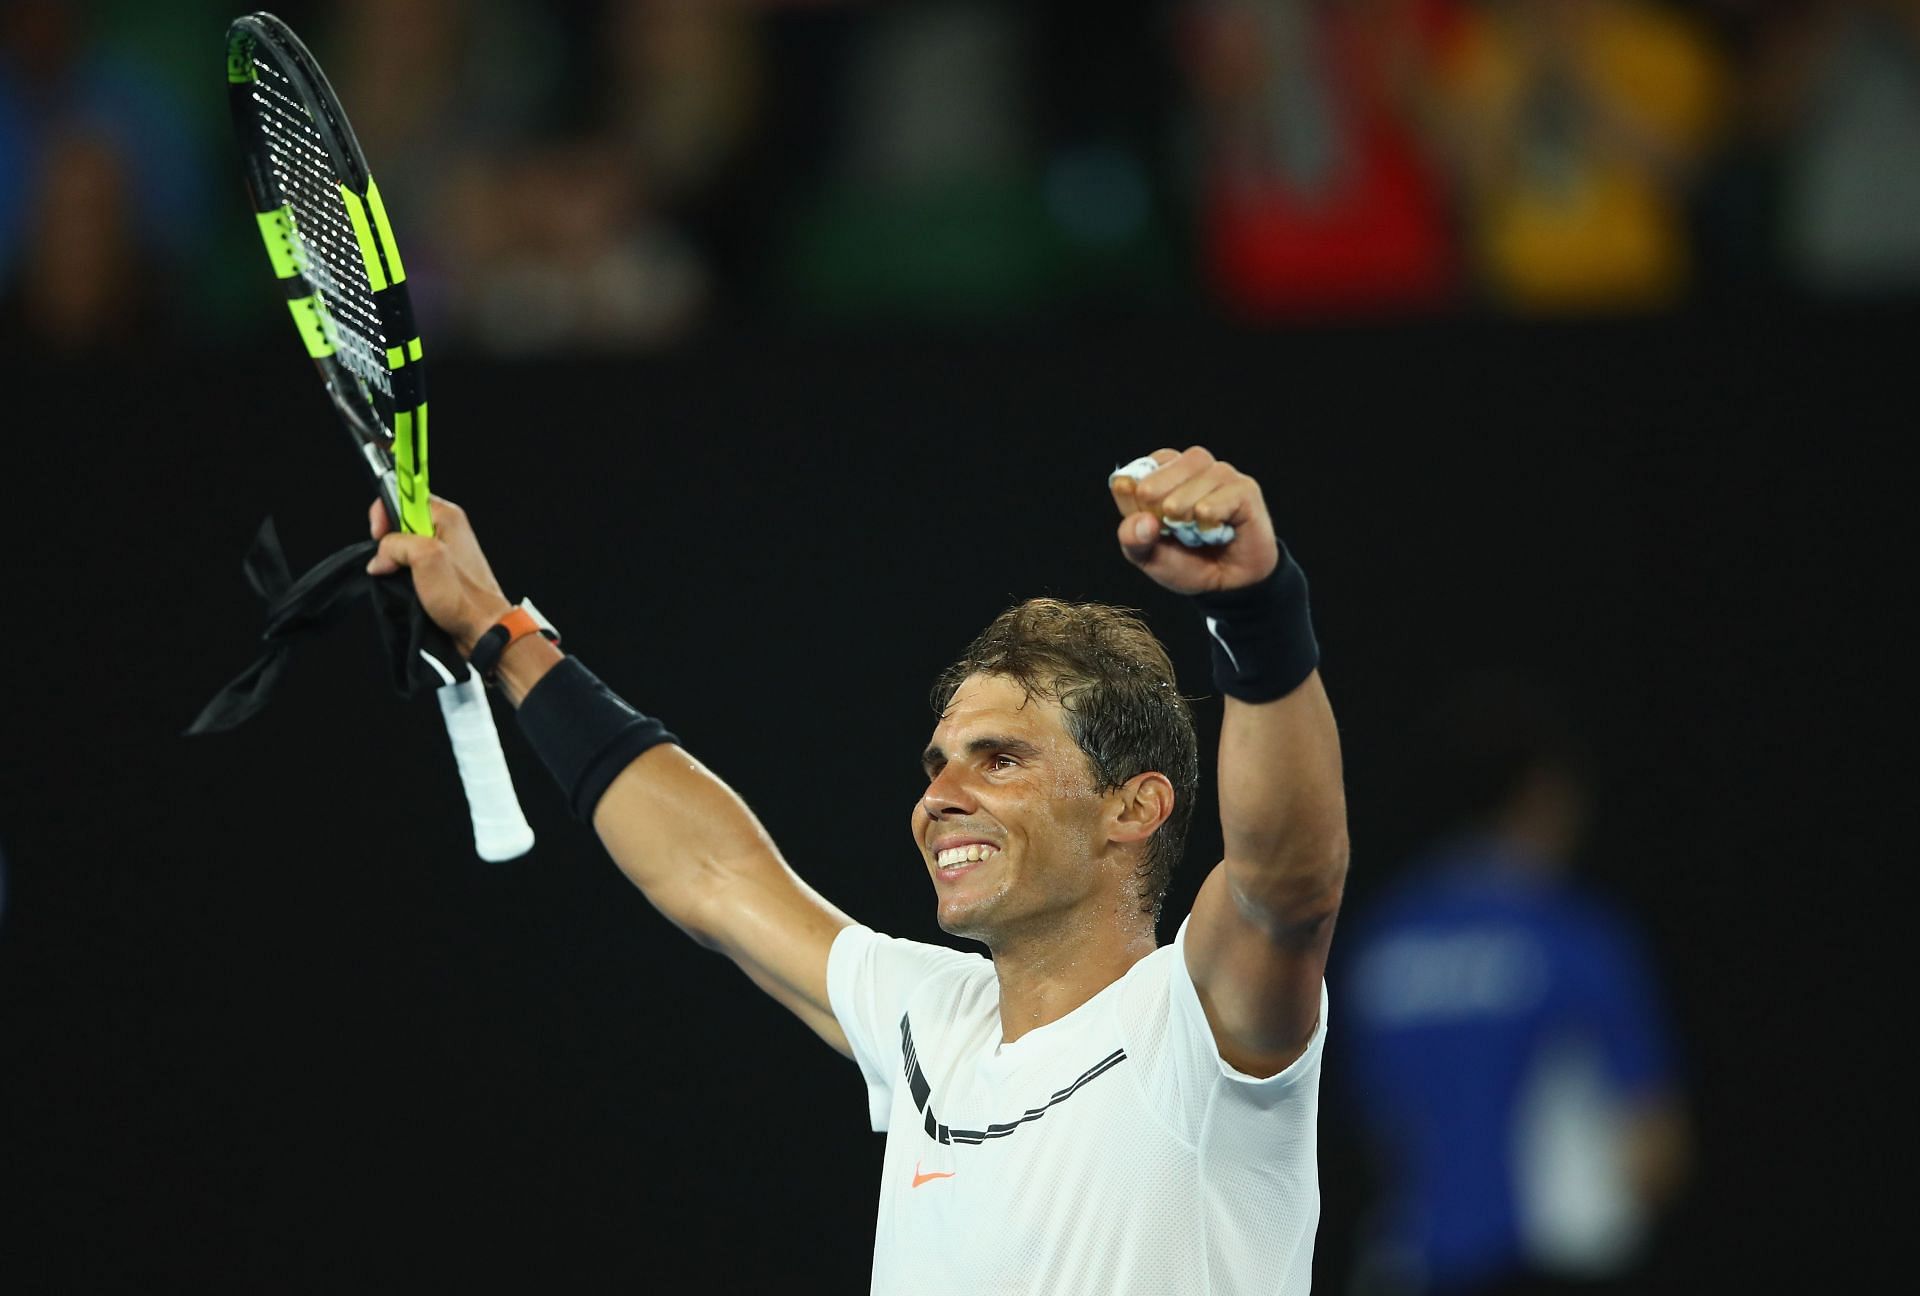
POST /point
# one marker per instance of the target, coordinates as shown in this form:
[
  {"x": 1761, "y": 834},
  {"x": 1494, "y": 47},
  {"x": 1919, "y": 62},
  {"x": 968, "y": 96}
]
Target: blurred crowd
[{"x": 617, "y": 174}]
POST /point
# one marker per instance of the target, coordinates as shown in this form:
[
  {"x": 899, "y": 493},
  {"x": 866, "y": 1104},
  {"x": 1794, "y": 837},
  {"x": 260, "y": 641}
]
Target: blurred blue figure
[{"x": 1507, "y": 1043}]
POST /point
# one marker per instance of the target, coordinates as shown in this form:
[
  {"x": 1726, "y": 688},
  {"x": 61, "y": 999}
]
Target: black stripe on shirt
[{"x": 923, "y": 1094}]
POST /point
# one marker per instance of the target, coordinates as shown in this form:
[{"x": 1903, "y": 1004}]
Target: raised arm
[
  {"x": 679, "y": 834},
  {"x": 1261, "y": 926}
]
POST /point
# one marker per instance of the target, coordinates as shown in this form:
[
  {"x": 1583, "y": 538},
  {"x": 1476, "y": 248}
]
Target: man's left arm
[{"x": 1257, "y": 941}]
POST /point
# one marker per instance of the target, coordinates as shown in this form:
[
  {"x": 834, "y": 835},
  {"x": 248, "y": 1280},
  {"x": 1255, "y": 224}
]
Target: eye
[{"x": 1000, "y": 760}]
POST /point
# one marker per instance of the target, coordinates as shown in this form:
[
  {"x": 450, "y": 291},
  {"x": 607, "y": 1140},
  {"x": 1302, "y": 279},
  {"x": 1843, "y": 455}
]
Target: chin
[
  {"x": 972, "y": 919},
  {"x": 962, "y": 921}
]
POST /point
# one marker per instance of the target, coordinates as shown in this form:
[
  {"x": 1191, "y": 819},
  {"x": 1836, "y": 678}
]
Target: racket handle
[{"x": 500, "y": 830}]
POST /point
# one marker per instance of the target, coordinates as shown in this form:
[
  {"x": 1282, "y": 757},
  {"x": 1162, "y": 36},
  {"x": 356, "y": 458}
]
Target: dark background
[
  {"x": 774, "y": 348},
  {"x": 269, "y": 1025}
]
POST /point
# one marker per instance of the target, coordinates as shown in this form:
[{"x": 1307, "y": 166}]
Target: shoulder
[
  {"x": 1165, "y": 1026},
  {"x": 867, "y": 951},
  {"x": 1140, "y": 1003},
  {"x": 1591, "y": 926},
  {"x": 866, "y": 964}
]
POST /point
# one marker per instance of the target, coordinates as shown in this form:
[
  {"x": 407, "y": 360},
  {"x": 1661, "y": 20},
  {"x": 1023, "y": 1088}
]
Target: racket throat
[{"x": 386, "y": 480}]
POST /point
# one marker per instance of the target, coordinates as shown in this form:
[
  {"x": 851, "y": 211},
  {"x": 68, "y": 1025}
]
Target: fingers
[
  {"x": 399, "y": 550},
  {"x": 445, "y": 513},
  {"x": 1139, "y": 502},
  {"x": 1176, "y": 470},
  {"x": 447, "y": 516},
  {"x": 450, "y": 575},
  {"x": 1190, "y": 486},
  {"x": 1139, "y": 535},
  {"x": 1124, "y": 488},
  {"x": 1196, "y": 493},
  {"x": 1218, "y": 494}
]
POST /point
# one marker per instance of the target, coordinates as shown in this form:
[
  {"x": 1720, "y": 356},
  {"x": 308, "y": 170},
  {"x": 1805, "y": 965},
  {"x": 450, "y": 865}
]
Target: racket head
[{"x": 332, "y": 249}]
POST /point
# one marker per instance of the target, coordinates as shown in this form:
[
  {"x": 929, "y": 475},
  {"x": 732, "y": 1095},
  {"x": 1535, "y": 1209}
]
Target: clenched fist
[{"x": 1195, "y": 487}]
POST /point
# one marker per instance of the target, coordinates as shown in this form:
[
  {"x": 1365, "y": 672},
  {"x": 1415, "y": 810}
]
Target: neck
[
  {"x": 1544, "y": 838},
  {"x": 1043, "y": 978}
]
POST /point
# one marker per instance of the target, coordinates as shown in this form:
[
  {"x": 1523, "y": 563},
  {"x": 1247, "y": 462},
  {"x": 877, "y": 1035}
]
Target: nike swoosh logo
[
  {"x": 1213, "y": 628},
  {"x": 919, "y": 1178}
]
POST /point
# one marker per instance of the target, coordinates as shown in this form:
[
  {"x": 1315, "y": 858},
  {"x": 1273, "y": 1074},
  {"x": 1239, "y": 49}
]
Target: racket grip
[{"x": 500, "y": 830}]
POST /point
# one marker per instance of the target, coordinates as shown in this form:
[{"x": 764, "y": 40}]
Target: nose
[{"x": 948, "y": 795}]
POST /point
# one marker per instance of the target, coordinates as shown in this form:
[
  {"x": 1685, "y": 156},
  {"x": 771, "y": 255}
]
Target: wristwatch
[{"x": 521, "y": 621}]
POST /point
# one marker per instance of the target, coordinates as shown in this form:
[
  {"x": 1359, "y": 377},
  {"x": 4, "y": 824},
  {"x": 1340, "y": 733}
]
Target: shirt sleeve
[
  {"x": 1618, "y": 1001},
  {"x": 1201, "y": 1096},
  {"x": 1194, "y": 1034},
  {"x": 869, "y": 980},
  {"x": 1253, "y": 1138}
]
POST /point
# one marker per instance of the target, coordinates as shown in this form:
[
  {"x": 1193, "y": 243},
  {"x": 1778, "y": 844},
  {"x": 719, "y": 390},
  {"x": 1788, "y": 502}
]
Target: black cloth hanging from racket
[{"x": 298, "y": 607}]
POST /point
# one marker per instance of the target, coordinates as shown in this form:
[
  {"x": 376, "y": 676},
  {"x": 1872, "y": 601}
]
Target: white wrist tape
[{"x": 1189, "y": 533}]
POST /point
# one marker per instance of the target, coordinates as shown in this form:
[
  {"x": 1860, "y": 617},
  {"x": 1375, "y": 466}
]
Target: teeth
[{"x": 965, "y": 854}]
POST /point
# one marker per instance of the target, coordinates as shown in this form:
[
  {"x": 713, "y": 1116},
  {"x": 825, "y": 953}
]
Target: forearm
[
  {"x": 1283, "y": 814},
  {"x": 702, "y": 859},
  {"x": 688, "y": 841},
  {"x": 677, "y": 856},
  {"x": 698, "y": 853}
]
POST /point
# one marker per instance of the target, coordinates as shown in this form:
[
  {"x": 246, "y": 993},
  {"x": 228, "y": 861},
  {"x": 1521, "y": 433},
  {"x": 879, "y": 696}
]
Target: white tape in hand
[{"x": 1188, "y": 533}]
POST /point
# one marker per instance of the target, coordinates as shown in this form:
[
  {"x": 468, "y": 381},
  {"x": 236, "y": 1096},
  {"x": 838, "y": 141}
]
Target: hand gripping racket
[{"x": 332, "y": 249}]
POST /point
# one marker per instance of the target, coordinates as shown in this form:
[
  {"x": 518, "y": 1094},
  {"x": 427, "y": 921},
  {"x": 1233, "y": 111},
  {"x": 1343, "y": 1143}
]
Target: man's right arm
[{"x": 679, "y": 834}]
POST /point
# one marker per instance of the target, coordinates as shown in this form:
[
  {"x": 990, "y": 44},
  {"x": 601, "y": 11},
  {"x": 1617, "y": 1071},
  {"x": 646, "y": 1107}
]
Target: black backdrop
[{"x": 268, "y": 1025}]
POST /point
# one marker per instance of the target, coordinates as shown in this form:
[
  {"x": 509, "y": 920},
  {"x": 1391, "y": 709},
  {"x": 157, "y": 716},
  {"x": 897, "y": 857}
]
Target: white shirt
[{"x": 1113, "y": 1151}]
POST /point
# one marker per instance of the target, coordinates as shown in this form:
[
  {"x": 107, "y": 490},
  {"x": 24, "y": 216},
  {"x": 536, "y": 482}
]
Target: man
[
  {"x": 1084, "y": 1112},
  {"x": 1508, "y": 1041}
]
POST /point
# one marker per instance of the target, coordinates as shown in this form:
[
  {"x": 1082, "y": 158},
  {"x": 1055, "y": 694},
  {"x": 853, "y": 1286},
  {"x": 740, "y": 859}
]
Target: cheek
[
  {"x": 1077, "y": 820},
  {"x": 1053, "y": 823}
]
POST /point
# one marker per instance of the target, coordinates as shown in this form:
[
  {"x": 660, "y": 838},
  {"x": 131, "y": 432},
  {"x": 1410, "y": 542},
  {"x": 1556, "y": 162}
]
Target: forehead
[{"x": 1000, "y": 704}]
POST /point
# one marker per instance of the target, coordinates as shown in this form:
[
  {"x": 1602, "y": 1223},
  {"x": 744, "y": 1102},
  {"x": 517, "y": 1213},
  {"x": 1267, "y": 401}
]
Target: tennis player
[{"x": 1082, "y": 1111}]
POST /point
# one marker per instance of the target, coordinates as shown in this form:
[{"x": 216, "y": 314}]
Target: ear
[{"x": 1141, "y": 805}]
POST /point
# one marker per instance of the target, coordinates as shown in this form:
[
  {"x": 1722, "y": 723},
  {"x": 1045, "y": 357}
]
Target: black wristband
[
  {"x": 485, "y": 657},
  {"x": 1262, "y": 635},
  {"x": 584, "y": 733}
]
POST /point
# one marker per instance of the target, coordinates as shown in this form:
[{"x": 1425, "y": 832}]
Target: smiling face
[
  {"x": 1112, "y": 683},
  {"x": 1013, "y": 828}
]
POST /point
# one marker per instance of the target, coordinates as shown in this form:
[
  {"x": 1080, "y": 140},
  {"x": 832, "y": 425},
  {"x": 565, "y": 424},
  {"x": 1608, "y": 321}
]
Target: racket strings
[{"x": 304, "y": 171}]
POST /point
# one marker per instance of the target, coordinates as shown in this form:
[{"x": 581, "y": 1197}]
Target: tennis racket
[{"x": 332, "y": 249}]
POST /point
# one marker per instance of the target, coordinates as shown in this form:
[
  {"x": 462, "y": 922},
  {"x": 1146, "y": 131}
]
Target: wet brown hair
[{"x": 1115, "y": 683}]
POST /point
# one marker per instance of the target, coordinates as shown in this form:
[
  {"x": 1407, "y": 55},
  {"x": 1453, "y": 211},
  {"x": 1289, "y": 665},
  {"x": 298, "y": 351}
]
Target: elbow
[
  {"x": 703, "y": 894},
  {"x": 1321, "y": 885},
  {"x": 720, "y": 898},
  {"x": 1316, "y": 863},
  {"x": 1297, "y": 896}
]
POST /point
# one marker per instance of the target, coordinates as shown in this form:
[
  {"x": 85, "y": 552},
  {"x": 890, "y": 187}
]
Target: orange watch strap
[{"x": 518, "y": 625}]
